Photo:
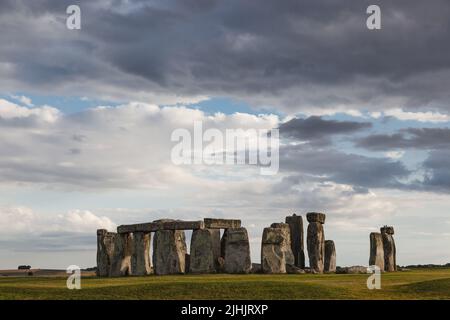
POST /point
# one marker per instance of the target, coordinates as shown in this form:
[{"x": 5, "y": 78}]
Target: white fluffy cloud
[{"x": 16, "y": 220}]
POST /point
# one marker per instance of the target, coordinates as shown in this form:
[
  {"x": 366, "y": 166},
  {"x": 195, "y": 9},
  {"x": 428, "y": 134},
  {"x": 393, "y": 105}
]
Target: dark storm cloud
[
  {"x": 356, "y": 170},
  {"x": 314, "y": 53},
  {"x": 437, "y": 167},
  {"x": 318, "y": 129},
  {"x": 417, "y": 138}
]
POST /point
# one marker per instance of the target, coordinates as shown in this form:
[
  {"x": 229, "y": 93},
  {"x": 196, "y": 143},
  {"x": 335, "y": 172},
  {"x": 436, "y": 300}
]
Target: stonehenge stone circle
[
  {"x": 140, "y": 260},
  {"x": 330, "y": 256},
  {"x": 205, "y": 251},
  {"x": 390, "y": 263},
  {"x": 316, "y": 241},
  {"x": 376, "y": 250},
  {"x": 236, "y": 249},
  {"x": 297, "y": 239},
  {"x": 127, "y": 252}
]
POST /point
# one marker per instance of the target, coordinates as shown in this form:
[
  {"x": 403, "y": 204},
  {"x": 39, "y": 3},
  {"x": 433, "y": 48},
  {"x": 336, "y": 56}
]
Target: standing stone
[
  {"x": 390, "y": 263},
  {"x": 105, "y": 247},
  {"x": 205, "y": 251},
  {"x": 315, "y": 241},
  {"x": 376, "y": 250},
  {"x": 276, "y": 250},
  {"x": 140, "y": 260},
  {"x": 297, "y": 243},
  {"x": 121, "y": 255},
  {"x": 237, "y": 251},
  {"x": 286, "y": 245},
  {"x": 330, "y": 256},
  {"x": 169, "y": 252}
]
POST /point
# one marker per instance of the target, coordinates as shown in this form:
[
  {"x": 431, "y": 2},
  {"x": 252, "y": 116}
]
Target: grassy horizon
[{"x": 413, "y": 284}]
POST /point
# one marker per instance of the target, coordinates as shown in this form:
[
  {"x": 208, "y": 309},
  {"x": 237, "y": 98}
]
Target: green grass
[{"x": 414, "y": 284}]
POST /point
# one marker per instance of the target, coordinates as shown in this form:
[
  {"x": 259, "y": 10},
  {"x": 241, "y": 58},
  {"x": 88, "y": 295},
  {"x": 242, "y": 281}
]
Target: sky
[{"x": 86, "y": 118}]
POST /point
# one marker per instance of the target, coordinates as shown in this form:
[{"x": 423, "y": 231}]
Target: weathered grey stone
[
  {"x": 169, "y": 252},
  {"x": 121, "y": 255},
  {"x": 205, "y": 251},
  {"x": 330, "y": 256},
  {"x": 256, "y": 268},
  {"x": 390, "y": 263},
  {"x": 276, "y": 249},
  {"x": 291, "y": 269},
  {"x": 316, "y": 246},
  {"x": 237, "y": 251},
  {"x": 351, "y": 270},
  {"x": 163, "y": 224},
  {"x": 387, "y": 229},
  {"x": 297, "y": 239},
  {"x": 316, "y": 217},
  {"x": 140, "y": 260},
  {"x": 376, "y": 250},
  {"x": 212, "y": 223},
  {"x": 105, "y": 247}
]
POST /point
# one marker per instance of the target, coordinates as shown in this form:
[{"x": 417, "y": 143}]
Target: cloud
[
  {"x": 17, "y": 220},
  {"x": 428, "y": 116},
  {"x": 345, "y": 168},
  {"x": 410, "y": 138},
  {"x": 122, "y": 147},
  {"x": 24, "y": 100},
  {"x": 314, "y": 56},
  {"x": 318, "y": 129}
]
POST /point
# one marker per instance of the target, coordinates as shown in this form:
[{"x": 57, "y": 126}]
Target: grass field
[{"x": 414, "y": 284}]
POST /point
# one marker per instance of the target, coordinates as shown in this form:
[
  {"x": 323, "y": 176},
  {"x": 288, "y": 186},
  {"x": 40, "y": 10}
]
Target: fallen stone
[
  {"x": 316, "y": 246},
  {"x": 376, "y": 250},
  {"x": 330, "y": 256},
  {"x": 256, "y": 268},
  {"x": 292, "y": 269},
  {"x": 140, "y": 259},
  {"x": 316, "y": 217},
  {"x": 297, "y": 239},
  {"x": 169, "y": 252},
  {"x": 211, "y": 223},
  {"x": 237, "y": 251},
  {"x": 351, "y": 270}
]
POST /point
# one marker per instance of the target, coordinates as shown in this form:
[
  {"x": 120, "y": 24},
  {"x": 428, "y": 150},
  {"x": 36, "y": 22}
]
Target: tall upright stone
[
  {"x": 169, "y": 252},
  {"x": 122, "y": 251},
  {"x": 315, "y": 241},
  {"x": 297, "y": 239},
  {"x": 330, "y": 256},
  {"x": 140, "y": 259},
  {"x": 276, "y": 251},
  {"x": 236, "y": 249},
  {"x": 376, "y": 250},
  {"x": 105, "y": 247},
  {"x": 205, "y": 251},
  {"x": 390, "y": 263}
]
